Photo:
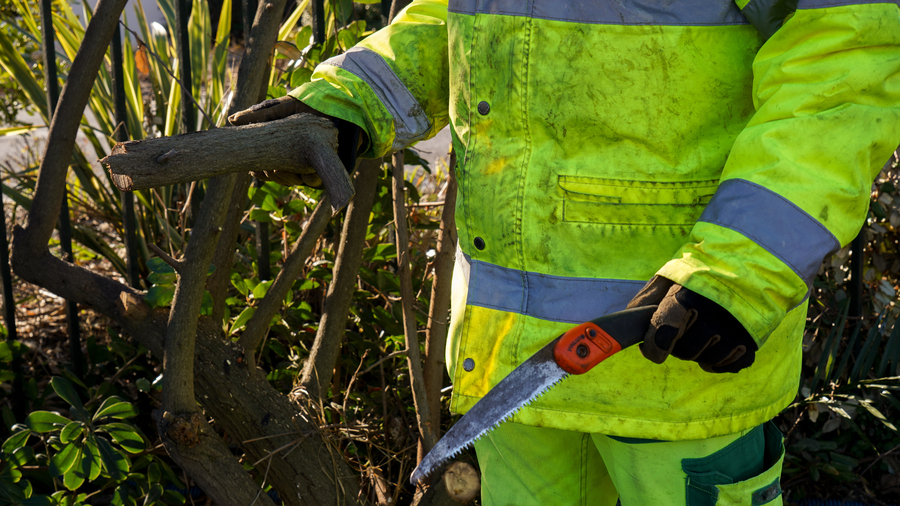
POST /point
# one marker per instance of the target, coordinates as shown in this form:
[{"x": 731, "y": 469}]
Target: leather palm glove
[
  {"x": 350, "y": 138},
  {"x": 692, "y": 327}
]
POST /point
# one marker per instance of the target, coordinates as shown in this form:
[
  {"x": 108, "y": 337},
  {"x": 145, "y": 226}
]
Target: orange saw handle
[{"x": 583, "y": 347}]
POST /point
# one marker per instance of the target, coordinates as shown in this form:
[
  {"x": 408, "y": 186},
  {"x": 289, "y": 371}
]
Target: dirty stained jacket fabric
[{"x": 726, "y": 146}]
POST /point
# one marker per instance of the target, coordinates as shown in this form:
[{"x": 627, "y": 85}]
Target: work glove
[
  {"x": 692, "y": 327},
  {"x": 350, "y": 137}
]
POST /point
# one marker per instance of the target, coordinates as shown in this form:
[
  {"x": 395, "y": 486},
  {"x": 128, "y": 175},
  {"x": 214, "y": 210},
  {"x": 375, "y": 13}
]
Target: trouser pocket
[{"x": 745, "y": 473}]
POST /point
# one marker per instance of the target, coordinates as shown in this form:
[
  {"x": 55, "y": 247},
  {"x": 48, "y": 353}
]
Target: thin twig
[
  {"x": 177, "y": 265},
  {"x": 184, "y": 91},
  {"x": 350, "y": 386},
  {"x": 187, "y": 201},
  {"x": 880, "y": 456},
  {"x": 427, "y": 204},
  {"x": 385, "y": 358}
]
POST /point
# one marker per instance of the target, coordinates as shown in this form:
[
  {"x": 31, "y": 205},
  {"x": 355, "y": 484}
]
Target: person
[{"x": 720, "y": 150}]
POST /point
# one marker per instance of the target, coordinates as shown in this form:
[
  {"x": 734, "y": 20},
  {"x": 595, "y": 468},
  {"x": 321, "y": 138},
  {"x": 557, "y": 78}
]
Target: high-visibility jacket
[{"x": 728, "y": 147}]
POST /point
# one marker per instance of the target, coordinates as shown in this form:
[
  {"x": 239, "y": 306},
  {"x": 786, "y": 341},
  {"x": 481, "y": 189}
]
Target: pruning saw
[{"x": 577, "y": 351}]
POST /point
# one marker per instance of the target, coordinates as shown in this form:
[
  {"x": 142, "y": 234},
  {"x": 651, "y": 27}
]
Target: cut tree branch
[{"x": 291, "y": 144}]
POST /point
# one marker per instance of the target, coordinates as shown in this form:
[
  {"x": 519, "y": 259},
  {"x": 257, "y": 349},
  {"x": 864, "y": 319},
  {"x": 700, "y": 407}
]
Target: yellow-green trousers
[{"x": 523, "y": 465}]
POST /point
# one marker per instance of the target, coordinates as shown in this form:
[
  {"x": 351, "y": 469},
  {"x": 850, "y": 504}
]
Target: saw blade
[{"x": 527, "y": 381}]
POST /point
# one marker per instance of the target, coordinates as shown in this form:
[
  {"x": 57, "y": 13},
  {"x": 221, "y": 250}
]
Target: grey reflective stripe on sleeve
[
  {"x": 552, "y": 298},
  {"x": 622, "y": 12},
  {"x": 410, "y": 122},
  {"x": 774, "y": 223}
]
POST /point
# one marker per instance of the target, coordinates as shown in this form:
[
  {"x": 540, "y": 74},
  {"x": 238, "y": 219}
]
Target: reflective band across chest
[
  {"x": 552, "y": 298},
  {"x": 410, "y": 122},
  {"x": 774, "y": 223},
  {"x": 625, "y": 12}
]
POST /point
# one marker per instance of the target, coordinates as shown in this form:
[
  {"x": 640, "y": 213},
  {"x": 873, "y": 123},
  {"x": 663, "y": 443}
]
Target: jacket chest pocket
[{"x": 640, "y": 203}]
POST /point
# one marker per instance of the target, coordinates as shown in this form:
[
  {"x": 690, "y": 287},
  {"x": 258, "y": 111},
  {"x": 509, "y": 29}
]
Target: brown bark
[
  {"x": 319, "y": 368},
  {"x": 408, "y": 298},
  {"x": 439, "y": 311},
  {"x": 290, "y": 144}
]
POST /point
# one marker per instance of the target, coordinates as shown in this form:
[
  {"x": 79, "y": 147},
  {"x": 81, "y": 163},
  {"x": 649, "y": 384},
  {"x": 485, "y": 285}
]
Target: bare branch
[
  {"x": 423, "y": 413},
  {"x": 258, "y": 324}
]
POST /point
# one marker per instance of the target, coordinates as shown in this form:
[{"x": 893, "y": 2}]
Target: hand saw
[{"x": 575, "y": 352}]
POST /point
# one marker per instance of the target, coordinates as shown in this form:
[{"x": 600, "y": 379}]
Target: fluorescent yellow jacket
[{"x": 728, "y": 147}]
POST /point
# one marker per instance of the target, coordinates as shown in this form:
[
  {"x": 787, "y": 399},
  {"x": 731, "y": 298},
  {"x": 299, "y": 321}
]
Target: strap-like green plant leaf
[
  {"x": 45, "y": 421},
  {"x": 891, "y": 352},
  {"x": 13, "y": 63}
]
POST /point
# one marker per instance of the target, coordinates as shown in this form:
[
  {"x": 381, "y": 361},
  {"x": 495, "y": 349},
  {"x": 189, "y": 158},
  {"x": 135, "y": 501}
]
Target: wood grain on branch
[{"x": 292, "y": 144}]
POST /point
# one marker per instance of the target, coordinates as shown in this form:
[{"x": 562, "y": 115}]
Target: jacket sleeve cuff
[
  {"x": 344, "y": 97},
  {"x": 753, "y": 284}
]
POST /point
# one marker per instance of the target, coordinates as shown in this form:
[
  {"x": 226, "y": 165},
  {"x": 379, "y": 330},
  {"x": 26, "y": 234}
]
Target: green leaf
[
  {"x": 242, "y": 319},
  {"x": 71, "y": 432},
  {"x": 6, "y": 354},
  {"x": 115, "y": 407},
  {"x": 260, "y": 215},
  {"x": 17, "y": 440},
  {"x": 877, "y": 414},
  {"x": 10, "y": 493},
  {"x": 143, "y": 384},
  {"x": 260, "y": 290},
  {"x": 160, "y": 296},
  {"x": 300, "y": 77},
  {"x": 65, "y": 390},
  {"x": 239, "y": 283},
  {"x": 73, "y": 479},
  {"x": 45, "y": 421},
  {"x": 90, "y": 463},
  {"x": 158, "y": 265},
  {"x": 162, "y": 278},
  {"x": 115, "y": 463},
  {"x": 304, "y": 37},
  {"x": 156, "y": 492},
  {"x": 11, "y": 61},
  {"x": 125, "y": 436},
  {"x": 19, "y": 129},
  {"x": 154, "y": 473},
  {"x": 21, "y": 456},
  {"x": 63, "y": 461}
]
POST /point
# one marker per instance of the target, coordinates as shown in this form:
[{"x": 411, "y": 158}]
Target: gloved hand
[
  {"x": 692, "y": 327},
  {"x": 350, "y": 137}
]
